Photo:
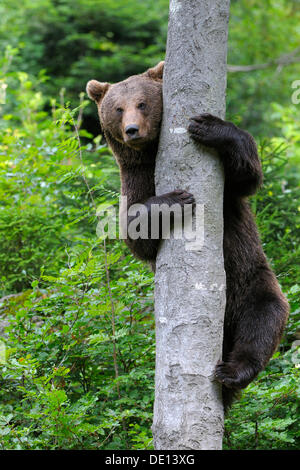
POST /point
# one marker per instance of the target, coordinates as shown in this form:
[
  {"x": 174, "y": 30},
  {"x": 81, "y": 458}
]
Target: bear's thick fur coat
[{"x": 256, "y": 311}]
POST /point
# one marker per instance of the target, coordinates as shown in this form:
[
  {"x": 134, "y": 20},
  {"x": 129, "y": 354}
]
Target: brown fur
[{"x": 256, "y": 310}]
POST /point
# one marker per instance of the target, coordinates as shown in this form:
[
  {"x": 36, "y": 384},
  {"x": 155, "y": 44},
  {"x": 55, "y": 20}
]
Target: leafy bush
[
  {"x": 80, "y": 365},
  {"x": 44, "y": 205},
  {"x": 77, "y": 40},
  {"x": 107, "y": 40},
  {"x": 277, "y": 211},
  {"x": 79, "y": 343},
  {"x": 77, "y": 314},
  {"x": 267, "y": 415}
]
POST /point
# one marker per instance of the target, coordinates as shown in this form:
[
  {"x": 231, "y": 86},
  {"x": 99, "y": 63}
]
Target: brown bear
[{"x": 256, "y": 311}]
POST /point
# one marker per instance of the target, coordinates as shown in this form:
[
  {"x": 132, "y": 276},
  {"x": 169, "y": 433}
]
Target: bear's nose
[{"x": 132, "y": 130}]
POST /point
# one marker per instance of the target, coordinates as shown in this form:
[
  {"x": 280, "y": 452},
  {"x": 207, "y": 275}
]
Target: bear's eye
[
  {"x": 141, "y": 106},
  {"x": 120, "y": 110}
]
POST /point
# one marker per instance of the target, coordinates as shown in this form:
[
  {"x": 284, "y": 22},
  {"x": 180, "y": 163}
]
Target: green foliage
[
  {"x": 59, "y": 387},
  {"x": 107, "y": 39},
  {"x": 267, "y": 416},
  {"x": 277, "y": 210},
  {"x": 77, "y": 40},
  {"x": 44, "y": 205},
  {"x": 80, "y": 342},
  {"x": 260, "y": 33},
  {"x": 76, "y": 313}
]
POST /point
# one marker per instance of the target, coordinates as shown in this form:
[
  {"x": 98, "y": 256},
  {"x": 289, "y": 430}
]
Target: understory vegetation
[{"x": 77, "y": 349}]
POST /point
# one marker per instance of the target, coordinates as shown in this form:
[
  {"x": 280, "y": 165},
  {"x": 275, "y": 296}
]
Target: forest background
[{"x": 77, "y": 346}]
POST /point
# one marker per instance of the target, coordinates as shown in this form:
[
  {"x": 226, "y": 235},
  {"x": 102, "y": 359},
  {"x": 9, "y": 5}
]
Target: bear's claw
[
  {"x": 234, "y": 375},
  {"x": 209, "y": 130},
  {"x": 182, "y": 197}
]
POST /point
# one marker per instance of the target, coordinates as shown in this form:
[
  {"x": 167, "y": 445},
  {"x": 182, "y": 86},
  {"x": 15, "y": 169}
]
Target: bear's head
[{"x": 130, "y": 111}]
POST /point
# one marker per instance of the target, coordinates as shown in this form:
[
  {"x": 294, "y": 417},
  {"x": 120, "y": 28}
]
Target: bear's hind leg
[{"x": 256, "y": 336}]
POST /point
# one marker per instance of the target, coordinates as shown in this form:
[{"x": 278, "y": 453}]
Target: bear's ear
[
  {"x": 96, "y": 90},
  {"x": 156, "y": 73}
]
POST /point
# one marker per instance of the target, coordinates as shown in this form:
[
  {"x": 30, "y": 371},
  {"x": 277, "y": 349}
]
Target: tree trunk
[{"x": 190, "y": 282}]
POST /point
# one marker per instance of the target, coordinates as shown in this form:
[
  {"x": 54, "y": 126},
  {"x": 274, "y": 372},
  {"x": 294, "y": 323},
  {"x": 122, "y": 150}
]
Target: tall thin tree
[{"x": 190, "y": 278}]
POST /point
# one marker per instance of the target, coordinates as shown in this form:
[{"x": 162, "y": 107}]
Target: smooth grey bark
[{"x": 190, "y": 285}]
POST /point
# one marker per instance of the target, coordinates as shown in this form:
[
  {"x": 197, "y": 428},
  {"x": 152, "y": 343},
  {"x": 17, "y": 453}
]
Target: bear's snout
[{"x": 132, "y": 131}]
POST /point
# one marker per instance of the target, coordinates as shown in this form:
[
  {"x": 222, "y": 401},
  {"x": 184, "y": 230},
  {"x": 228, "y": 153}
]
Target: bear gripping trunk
[{"x": 190, "y": 283}]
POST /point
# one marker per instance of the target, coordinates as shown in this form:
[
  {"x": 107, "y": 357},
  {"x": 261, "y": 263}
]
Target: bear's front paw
[
  {"x": 209, "y": 130},
  {"x": 234, "y": 375}
]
